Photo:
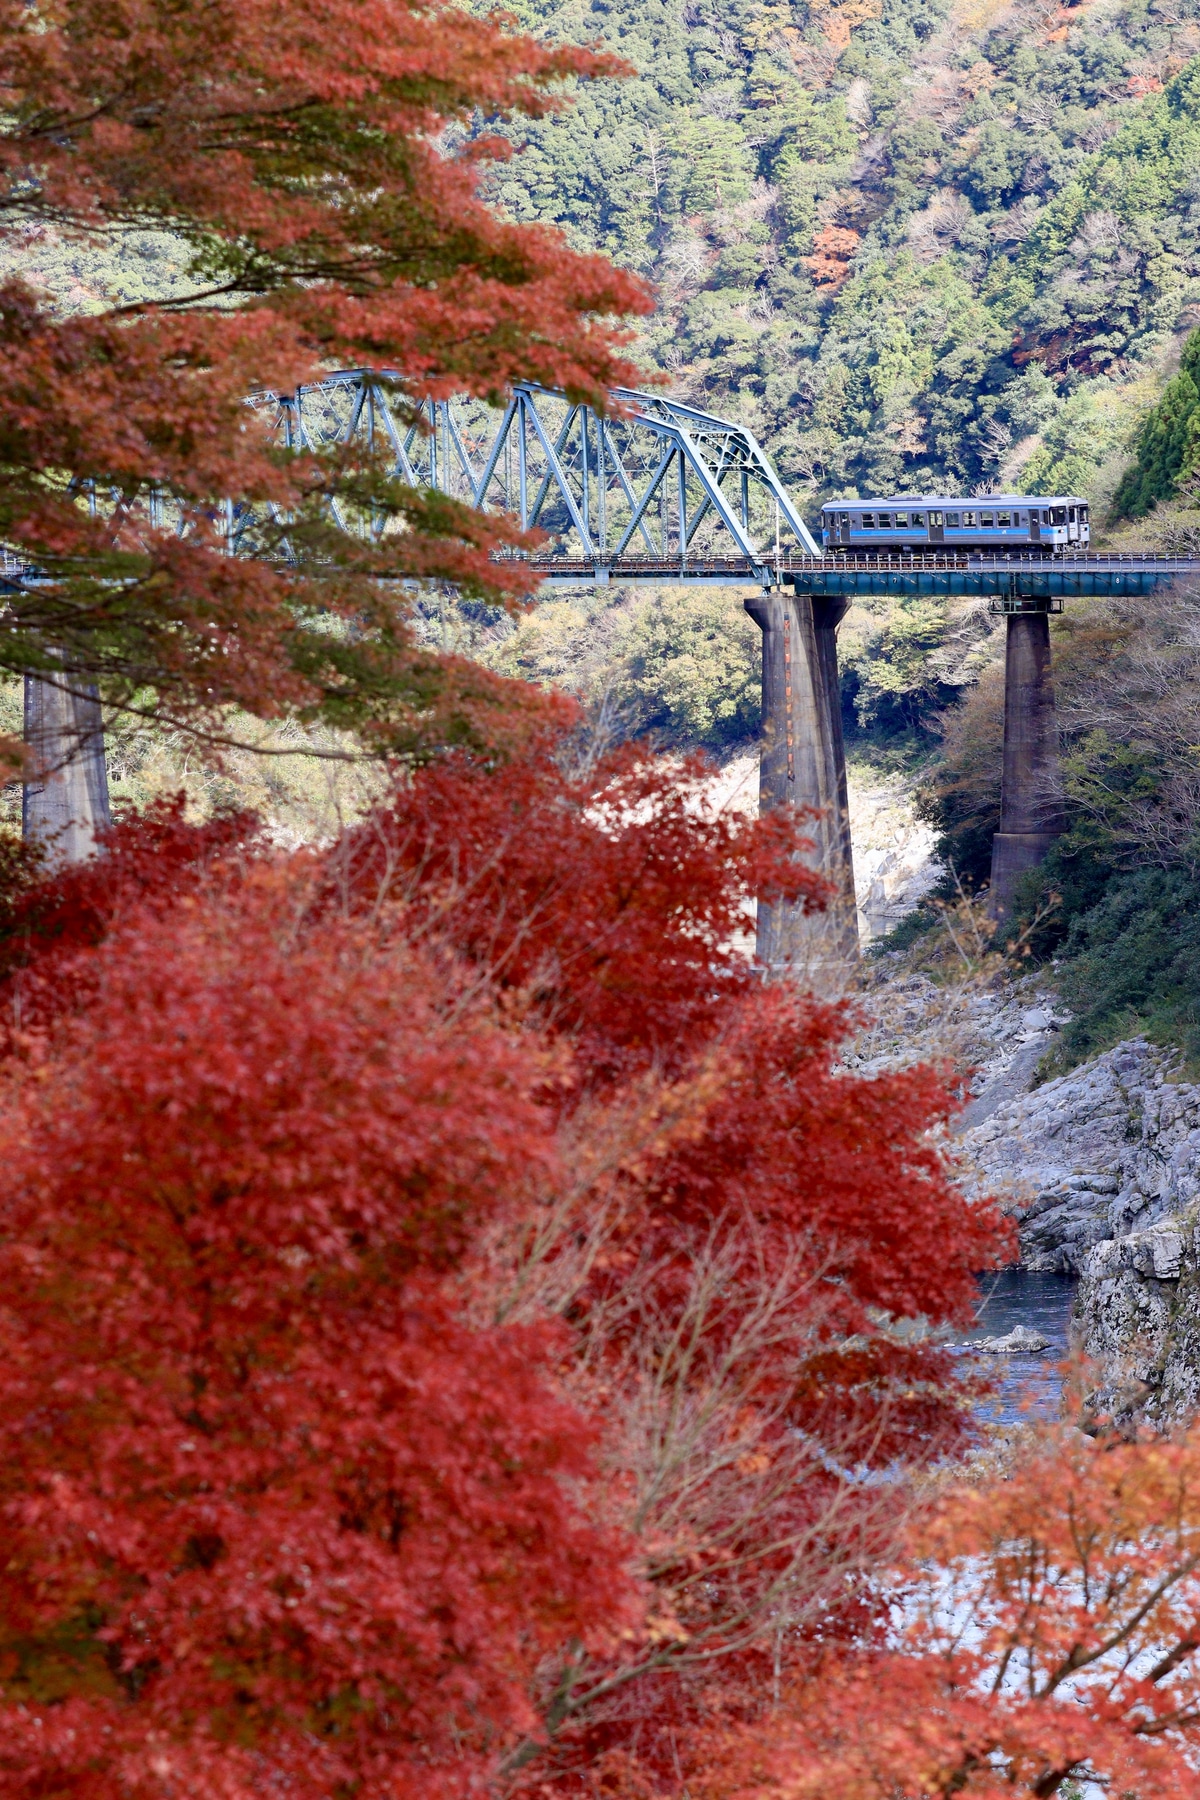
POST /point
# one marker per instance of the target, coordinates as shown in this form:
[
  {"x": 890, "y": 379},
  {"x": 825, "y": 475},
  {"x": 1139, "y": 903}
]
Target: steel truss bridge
[
  {"x": 655, "y": 491},
  {"x": 664, "y": 493}
]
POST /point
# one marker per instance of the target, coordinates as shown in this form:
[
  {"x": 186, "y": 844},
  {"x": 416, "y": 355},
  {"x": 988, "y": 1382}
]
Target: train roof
[{"x": 887, "y": 500}]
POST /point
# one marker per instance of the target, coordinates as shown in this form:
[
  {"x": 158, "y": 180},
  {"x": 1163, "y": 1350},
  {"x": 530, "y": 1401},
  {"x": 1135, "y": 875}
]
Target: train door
[
  {"x": 937, "y": 532},
  {"x": 841, "y": 528},
  {"x": 1035, "y": 525}
]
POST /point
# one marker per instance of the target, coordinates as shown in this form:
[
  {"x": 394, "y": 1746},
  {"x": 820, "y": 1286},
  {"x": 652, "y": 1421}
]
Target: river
[{"x": 1030, "y": 1384}]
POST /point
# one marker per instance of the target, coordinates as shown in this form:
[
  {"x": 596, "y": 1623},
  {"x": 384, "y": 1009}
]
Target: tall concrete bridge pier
[
  {"x": 804, "y": 765},
  {"x": 1025, "y": 591},
  {"x": 65, "y": 796},
  {"x": 1031, "y": 802}
]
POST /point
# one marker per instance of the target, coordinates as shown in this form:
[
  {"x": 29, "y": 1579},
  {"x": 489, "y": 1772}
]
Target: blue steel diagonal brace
[
  {"x": 665, "y": 461},
  {"x": 551, "y": 456},
  {"x": 613, "y": 463},
  {"x": 750, "y": 459},
  {"x": 714, "y": 496},
  {"x": 625, "y": 484}
]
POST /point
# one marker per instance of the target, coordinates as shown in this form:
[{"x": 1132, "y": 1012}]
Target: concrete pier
[
  {"x": 804, "y": 764},
  {"x": 1031, "y": 806},
  {"x": 65, "y": 801}
]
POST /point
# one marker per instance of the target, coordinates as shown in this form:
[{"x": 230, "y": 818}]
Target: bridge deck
[{"x": 1093, "y": 575}]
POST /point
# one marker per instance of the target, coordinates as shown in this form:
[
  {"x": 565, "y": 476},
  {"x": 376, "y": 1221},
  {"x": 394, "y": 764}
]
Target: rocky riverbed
[{"x": 1101, "y": 1169}]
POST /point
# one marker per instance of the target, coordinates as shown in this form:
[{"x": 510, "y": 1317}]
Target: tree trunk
[{"x": 65, "y": 801}]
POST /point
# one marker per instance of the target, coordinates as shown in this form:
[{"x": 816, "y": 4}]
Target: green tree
[
  {"x": 690, "y": 667},
  {"x": 1168, "y": 445}
]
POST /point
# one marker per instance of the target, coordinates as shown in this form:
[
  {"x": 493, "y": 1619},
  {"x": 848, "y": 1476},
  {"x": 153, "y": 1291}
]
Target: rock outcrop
[
  {"x": 1020, "y": 1340},
  {"x": 1102, "y": 1171}
]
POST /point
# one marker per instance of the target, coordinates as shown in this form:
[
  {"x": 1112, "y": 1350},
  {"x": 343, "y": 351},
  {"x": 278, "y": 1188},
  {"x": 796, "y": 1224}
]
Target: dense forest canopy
[{"x": 911, "y": 244}]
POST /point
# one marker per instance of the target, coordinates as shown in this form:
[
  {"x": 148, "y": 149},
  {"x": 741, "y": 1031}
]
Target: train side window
[
  {"x": 985, "y": 519},
  {"x": 970, "y": 520},
  {"x": 868, "y": 521},
  {"x": 952, "y": 520},
  {"x": 917, "y": 519},
  {"x": 1003, "y": 519},
  {"x": 885, "y": 521}
]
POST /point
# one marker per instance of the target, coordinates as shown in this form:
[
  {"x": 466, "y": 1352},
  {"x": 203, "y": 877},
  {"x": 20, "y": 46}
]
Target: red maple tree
[
  {"x": 351, "y": 1206},
  {"x": 316, "y": 168},
  {"x": 273, "y": 1512}
]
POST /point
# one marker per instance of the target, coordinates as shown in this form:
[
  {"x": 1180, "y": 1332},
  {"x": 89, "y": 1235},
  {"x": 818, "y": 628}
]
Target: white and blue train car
[{"x": 1000, "y": 522}]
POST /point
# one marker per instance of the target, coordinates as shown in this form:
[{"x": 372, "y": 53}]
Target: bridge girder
[{"x": 654, "y": 492}]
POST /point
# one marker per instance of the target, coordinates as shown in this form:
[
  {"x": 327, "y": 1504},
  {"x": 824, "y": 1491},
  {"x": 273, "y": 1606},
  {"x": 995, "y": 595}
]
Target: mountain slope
[{"x": 909, "y": 244}]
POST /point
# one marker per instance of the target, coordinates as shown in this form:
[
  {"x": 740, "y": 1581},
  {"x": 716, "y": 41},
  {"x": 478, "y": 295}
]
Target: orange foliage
[
  {"x": 834, "y": 248},
  {"x": 1045, "y": 1632}
]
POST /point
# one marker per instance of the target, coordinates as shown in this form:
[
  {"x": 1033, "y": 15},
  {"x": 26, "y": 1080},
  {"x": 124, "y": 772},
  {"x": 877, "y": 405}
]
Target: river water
[{"x": 1030, "y": 1385}]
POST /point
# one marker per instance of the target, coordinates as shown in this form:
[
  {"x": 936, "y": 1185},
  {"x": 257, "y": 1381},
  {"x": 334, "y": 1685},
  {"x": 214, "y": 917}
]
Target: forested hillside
[
  {"x": 911, "y": 244},
  {"x": 909, "y": 241}
]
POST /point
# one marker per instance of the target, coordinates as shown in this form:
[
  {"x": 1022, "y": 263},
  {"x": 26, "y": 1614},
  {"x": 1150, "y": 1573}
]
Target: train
[{"x": 1051, "y": 522}]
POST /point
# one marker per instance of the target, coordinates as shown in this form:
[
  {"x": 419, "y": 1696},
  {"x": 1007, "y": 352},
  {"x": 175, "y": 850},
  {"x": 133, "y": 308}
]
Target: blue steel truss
[{"x": 656, "y": 492}]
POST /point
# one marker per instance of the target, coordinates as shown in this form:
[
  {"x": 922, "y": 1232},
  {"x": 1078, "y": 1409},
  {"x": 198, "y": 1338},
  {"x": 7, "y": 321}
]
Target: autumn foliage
[
  {"x": 439, "y": 1288},
  {"x": 1045, "y": 1633},
  {"x": 315, "y": 169},
  {"x": 460, "y": 1329}
]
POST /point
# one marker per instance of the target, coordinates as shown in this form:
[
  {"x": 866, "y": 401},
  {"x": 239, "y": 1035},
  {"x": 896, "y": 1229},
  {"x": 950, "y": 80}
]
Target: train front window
[{"x": 1060, "y": 515}]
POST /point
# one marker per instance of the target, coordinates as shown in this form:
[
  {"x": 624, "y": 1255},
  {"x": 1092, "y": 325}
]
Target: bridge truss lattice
[{"x": 658, "y": 491}]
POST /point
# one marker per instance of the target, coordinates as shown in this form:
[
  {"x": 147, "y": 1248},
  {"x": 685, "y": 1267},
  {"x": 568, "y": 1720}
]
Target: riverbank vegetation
[{"x": 1118, "y": 897}]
